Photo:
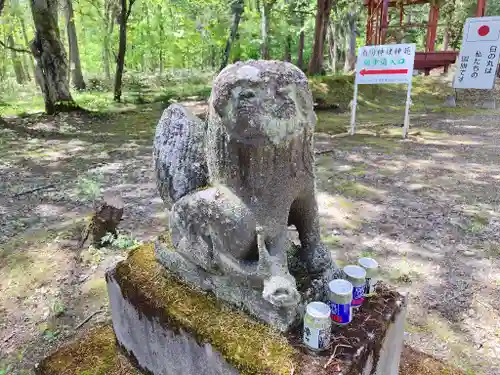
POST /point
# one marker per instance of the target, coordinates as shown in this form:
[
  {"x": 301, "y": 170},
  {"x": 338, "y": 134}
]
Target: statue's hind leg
[{"x": 304, "y": 216}]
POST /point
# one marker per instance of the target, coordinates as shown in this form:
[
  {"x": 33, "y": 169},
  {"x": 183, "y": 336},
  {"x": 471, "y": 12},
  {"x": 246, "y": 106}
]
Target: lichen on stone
[{"x": 249, "y": 346}]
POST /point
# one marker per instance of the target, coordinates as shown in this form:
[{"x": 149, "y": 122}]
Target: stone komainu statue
[{"x": 237, "y": 182}]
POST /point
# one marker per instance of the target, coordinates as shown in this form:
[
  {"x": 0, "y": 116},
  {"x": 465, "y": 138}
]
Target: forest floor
[{"x": 427, "y": 208}]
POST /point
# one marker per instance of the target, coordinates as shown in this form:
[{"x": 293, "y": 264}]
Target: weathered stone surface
[
  {"x": 158, "y": 349},
  {"x": 230, "y": 288},
  {"x": 258, "y": 148},
  {"x": 153, "y": 311},
  {"x": 107, "y": 359},
  {"x": 161, "y": 323},
  {"x": 180, "y": 163},
  {"x": 148, "y": 300}
]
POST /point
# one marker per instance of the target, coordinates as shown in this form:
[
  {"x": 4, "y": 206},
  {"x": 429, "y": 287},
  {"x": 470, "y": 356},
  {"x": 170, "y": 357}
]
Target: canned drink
[
  {"x": 340, "y": 299},
  {"x": 317, "y": 326},
  {"x": 371, "y": 267},
  {"x": 357, "y": 276}
]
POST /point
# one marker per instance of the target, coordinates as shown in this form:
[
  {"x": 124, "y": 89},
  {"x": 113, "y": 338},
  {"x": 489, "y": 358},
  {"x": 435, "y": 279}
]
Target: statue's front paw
[{"x": 281, "y": 291}]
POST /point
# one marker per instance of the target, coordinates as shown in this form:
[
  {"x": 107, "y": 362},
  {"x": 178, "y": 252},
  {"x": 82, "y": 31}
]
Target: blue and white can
[
  {"x": 340, "y": 299},
  {"x": 357, "y": 276}
]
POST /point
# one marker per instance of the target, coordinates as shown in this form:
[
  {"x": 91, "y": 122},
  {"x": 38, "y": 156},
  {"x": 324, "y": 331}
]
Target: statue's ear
[{"x": 219, "y": 101}]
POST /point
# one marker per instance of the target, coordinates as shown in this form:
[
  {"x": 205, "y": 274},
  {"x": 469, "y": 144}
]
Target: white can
[
  {"x": 371, "y": 267},
  {"x": 317, "y": 326}
]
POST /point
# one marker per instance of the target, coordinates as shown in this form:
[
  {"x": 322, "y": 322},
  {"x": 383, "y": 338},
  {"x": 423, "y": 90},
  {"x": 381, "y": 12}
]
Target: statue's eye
[{"x": 247, "y": 94}]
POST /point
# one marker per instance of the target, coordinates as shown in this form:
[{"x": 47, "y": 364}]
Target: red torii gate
[{"x": 377, "y": 25}]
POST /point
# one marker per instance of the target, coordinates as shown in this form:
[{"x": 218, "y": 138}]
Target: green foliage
[
  {"x": 121, "y": 241},
  {"x": 88, "y": 188},
  {"x": 57, "y": 308},
  {"x": 175, "y": 46},
  {"x": 50, "y": 335}
]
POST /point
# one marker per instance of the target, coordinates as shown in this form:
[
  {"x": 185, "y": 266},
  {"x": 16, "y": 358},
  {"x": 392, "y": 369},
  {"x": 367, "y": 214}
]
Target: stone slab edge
[{"x": 157, "y": 349}]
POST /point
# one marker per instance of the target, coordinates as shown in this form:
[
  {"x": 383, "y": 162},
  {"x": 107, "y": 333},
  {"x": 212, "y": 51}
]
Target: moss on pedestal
[
  {"x": 251, "y": 347},
  {"x": 95, "y": 353}
]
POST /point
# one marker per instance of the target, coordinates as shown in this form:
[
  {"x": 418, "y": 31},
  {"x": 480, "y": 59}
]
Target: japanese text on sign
[
  {"x": 478, "y": 59},
  {"x": 385, "y": 64}
]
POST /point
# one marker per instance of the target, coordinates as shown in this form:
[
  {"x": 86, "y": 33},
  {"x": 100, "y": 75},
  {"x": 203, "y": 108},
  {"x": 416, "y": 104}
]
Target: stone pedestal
[
  {"x": 169, "y": 328},
  {"x": 162, "y": 326}
]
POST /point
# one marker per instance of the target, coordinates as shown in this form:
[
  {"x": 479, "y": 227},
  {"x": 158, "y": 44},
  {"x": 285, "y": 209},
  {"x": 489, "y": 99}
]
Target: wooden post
[
  {"x": 432, "y": 29},
  {"x": 385, "y": 21},
  {"x": 481, "y": 8},
  {"x": 369, "y": 24}
]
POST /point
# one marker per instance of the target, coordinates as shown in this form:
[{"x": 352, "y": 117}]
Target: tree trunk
[
  {"x": 3, "y": 59},
  {"x": 332, "y": 47},
  {"x": 160, "y": 48},
  {"x": 122, "y": 49},
  {"x": 16, "y": 61},
  {"x": 26, "y": 61},
  {"x": 105, "y": 219},
  {"x": 74, "y": 53},
  {"x": 300, "y": 52},
  {"x": 237, "y": 8},
  {"x": 288, "y": 48},
  {"x": 50, "y": 57},
  {"x": 350, "y": 53},
  {"x": 446, "y": 39},
  {"x": 324, "y": 7},
  {"x": 237, "y": 48},
  {"x": 27, "y": 43},
  {"x": 106, "y": 57},
  {"x": 265, "y": 13}
]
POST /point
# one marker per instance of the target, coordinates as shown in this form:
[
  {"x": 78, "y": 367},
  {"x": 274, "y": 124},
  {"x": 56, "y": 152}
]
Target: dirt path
[{"x": 426, "y": 208}]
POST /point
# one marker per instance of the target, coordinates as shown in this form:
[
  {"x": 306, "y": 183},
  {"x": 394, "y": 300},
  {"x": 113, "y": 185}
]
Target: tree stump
[{"x": 105, "y": 220}]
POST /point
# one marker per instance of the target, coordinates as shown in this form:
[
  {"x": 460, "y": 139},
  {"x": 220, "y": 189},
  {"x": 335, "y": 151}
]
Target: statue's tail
[{"x": 178, "y": 153}]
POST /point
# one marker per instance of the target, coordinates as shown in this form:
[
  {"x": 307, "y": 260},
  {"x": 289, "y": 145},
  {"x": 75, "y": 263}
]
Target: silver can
[
  {"x": 317, "y": 326},
  {"x": 371, "y": 267}
]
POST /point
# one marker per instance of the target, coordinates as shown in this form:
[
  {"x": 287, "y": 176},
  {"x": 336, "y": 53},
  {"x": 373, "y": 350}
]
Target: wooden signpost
[{"x": 384, "y": 64}]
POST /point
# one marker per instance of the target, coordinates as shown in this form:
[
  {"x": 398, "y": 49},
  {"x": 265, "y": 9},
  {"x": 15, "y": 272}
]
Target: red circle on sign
[{"x": 483, "y": 30}]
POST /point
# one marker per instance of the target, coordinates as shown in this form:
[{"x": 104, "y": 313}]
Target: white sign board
[
  {"x": 478, "y": 59},
  {"x": 391, "y": 63},
  {"x": 383, "y": 64}
]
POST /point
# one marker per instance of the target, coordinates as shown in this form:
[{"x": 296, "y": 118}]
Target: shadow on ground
[{"x": 426, "y": 208}]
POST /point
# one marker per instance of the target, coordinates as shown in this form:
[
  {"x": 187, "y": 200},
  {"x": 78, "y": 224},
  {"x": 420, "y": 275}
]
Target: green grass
[
  {"x": 427, "y": 93},
  {"x": 137, "y": 89},
  {"x": 332, "y": 91}
]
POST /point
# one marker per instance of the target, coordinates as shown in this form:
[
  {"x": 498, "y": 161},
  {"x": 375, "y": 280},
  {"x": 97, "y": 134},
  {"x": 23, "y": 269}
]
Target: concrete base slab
[
  {"x": 450, "y": 102},
  {"x": 489, "y": 104},
  {"x": 168, "y": 328},
  {"x": 96, "y": 352}
]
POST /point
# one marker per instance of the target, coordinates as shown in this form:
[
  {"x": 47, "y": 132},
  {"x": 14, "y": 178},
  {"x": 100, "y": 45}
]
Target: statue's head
[{"x": 262, "y": 100}]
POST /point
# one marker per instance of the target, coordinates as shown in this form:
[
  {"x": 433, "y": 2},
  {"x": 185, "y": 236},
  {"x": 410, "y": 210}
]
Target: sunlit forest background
[{"x": 172, "y": 48}]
